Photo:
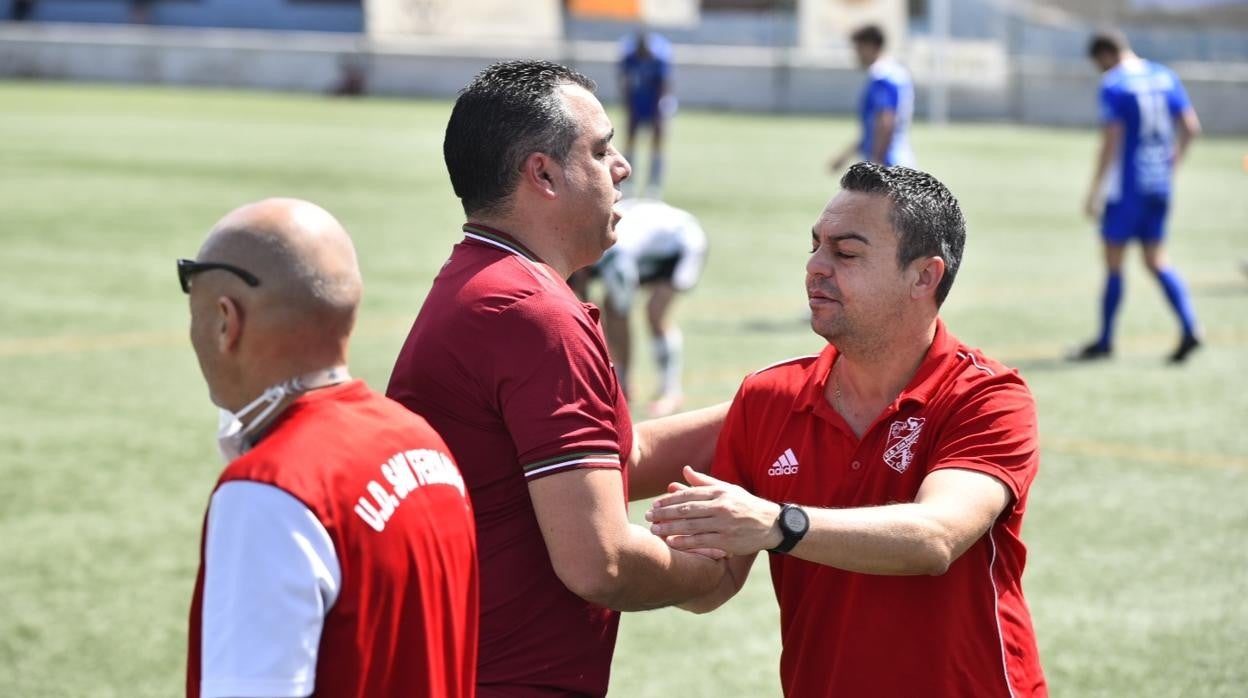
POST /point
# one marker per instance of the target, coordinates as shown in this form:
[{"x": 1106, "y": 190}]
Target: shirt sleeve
[
  {"x": 994, "y": 431},
  {"x": 884, "y": 96},
  {"x": 732, "y": 450},
  {"x": 1176, "y": 96},
  {"x": 270, "y": 576},
  {"x": 1108, "y": 108},
  {"x": 557, "y": 389}
]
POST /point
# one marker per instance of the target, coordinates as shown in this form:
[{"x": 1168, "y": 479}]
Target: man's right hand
[
  {"x": 715, "y": 515},
  {"x": 1092, "y": 205}
]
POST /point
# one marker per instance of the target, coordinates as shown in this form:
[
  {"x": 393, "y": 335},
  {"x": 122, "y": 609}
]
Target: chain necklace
[{"x": 836, "y": 386}]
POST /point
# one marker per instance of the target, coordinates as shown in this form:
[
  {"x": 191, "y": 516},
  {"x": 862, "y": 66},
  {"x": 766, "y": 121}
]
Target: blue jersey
[
  {"x": 644, "y": 76},
  {"x": 1145, "y": 98},
  {"x": 888, "y": 89}
]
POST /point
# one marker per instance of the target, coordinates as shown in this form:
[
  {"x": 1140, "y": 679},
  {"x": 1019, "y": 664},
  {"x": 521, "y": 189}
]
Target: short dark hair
[
  {"x": 509, "y": 111},
  {"x": 870, "y": 34},
  {"x": 1108, "y": 41},
  {"x": 925, "y": 214}
]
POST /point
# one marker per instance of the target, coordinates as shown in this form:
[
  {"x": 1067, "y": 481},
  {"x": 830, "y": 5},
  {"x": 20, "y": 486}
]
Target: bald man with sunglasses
[{"x": 338, "y": 553}]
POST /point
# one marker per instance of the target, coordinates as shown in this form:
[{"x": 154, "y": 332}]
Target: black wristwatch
[{"x": 793, "y": 523}]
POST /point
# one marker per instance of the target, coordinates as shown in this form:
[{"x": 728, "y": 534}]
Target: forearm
[
  {"x": 647, "y": 574},
  {"x": 1180, "y": 147},
  {"x": 604, "y": 559},
  {"x": 736, "y": 570},
  {"x": 1102, "y": 165},
  {"x": 1104, "y": 157},
  {"x": 1188, "y": 128},
  {"x": 953, "y": 508},
  {"x": 849, "y": 153},
  {"x": 666, "y": 445},
  {"x": 898, "y": 539}
]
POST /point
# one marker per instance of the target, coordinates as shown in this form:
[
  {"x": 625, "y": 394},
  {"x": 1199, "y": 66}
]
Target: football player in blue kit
[
  {"x": 1147, "y": 124},
  {"x": 646, "y": 83},
  {"x": 886, "y": 107}
]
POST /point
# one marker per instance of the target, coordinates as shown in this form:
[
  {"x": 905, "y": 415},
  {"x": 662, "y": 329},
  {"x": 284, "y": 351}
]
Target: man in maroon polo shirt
[
  {"x": 902, "y": 458},
  {"x": 512, "y": 369}
]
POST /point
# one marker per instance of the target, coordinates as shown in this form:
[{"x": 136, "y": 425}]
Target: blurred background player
[
  {"x": 662, "y": 248},
  {"x": 886, "y": 109},
  {"x": 646, "y": 85},
  {"x": 1147, "y": 125}
]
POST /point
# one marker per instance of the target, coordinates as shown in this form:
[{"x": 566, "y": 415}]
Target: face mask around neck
[{"x": 234, "y": 437}]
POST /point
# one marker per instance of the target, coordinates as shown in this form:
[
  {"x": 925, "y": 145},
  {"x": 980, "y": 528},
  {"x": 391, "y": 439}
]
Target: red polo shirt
[
  {"x": 512, "y": 370},
  {"x": 964, "y": 633}
]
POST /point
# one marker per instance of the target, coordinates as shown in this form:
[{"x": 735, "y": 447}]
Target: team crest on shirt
[{"x": 903, "y": 434}]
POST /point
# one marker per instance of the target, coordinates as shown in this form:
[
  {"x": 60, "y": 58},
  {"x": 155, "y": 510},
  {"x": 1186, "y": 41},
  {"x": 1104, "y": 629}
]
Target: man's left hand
[{"x": 713, "y": 514}]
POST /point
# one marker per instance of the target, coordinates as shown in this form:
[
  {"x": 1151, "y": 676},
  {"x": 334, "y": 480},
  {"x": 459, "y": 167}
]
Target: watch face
[{"x": 794, "y": 520}]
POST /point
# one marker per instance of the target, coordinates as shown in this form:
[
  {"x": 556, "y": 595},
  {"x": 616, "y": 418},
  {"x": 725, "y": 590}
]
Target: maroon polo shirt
[{"x": 512, "y": 370}]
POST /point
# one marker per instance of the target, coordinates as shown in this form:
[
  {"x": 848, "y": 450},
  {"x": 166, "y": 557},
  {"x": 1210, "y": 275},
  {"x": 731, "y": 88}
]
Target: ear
[
  {"x": 542, "y": 174},
  {"x": 928, "y": 273},
  {"x": 229, "y": 328}
]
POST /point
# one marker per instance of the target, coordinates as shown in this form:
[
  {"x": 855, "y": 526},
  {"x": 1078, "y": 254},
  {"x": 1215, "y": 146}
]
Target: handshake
[{"x": 714, "y": 518}]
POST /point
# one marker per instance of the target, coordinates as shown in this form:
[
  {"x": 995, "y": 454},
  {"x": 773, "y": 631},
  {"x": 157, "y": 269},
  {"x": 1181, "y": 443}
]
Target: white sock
[{"x": 668, "y": 352}]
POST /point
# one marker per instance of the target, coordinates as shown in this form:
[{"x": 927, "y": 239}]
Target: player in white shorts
[{"x": 662, "y": 248}]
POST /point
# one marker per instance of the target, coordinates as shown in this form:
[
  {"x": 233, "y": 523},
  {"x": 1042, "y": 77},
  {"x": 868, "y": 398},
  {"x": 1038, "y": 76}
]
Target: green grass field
[{"x": 1138, "y": 569}]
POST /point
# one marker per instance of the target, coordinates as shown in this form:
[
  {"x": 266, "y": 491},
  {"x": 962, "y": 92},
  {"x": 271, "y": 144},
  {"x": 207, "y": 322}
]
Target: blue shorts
[
  {"x": 1142, "y": 219},
  {"x": 643, "y": 110}
]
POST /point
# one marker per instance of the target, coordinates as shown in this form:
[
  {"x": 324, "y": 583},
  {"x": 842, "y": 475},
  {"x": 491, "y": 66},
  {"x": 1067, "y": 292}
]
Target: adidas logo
[{"x": 786, "y": 464}]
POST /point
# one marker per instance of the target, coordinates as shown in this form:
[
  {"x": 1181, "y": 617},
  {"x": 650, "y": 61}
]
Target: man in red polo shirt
[
  {"x": 338, "y": 555},
  {"x": 512, "y": 369},
  {"x": 888, "y": 475}
]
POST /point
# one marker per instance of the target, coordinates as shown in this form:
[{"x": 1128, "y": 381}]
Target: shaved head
[
  {"x": 299, "y": 316},
  {"x": 302, "y": 255}
]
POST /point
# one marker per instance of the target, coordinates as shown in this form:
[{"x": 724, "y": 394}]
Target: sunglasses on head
[{"x": 189, "y": 267}]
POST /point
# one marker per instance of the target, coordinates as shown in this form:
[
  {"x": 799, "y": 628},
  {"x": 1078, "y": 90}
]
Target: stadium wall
[
  {"x": 307, "y": 15},
  {"x": 1028, "y": 90}
]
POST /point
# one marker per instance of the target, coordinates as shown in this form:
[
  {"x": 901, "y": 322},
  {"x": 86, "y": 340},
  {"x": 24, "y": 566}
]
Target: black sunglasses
[{"x": 189, "y": 267}]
